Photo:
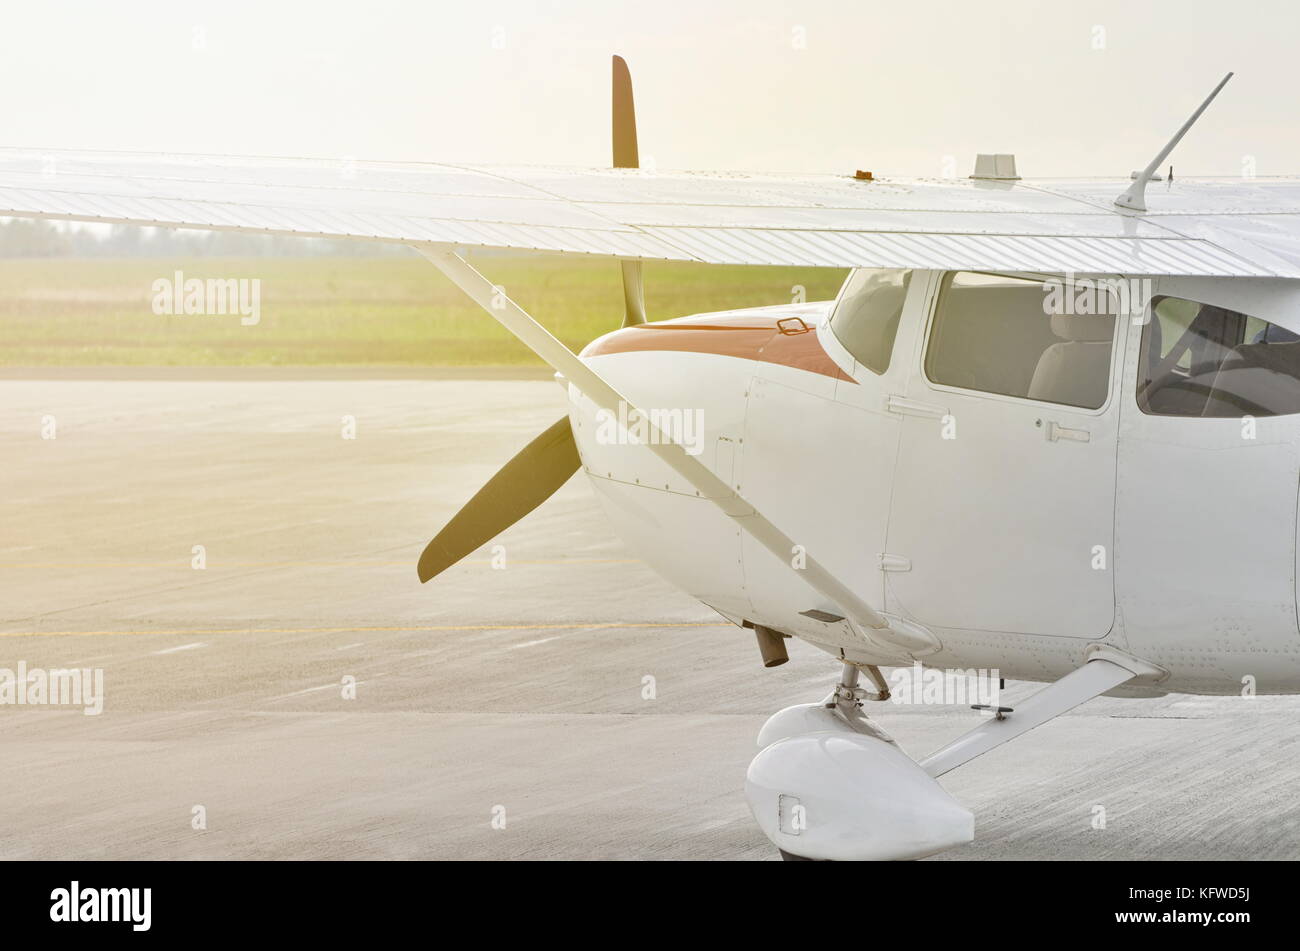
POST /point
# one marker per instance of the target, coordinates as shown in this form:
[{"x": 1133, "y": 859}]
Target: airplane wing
[
  {"x": 1239, "y": 228},
  {"x": 1203, "y": 229}
]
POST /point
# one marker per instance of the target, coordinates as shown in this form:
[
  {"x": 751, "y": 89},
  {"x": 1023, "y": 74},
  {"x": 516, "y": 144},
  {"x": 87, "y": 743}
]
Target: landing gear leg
[{"x": 847, "y": 698}]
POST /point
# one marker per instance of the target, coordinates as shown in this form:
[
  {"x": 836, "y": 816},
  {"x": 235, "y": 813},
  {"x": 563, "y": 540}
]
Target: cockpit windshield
[{"x": 866, "y": 318}]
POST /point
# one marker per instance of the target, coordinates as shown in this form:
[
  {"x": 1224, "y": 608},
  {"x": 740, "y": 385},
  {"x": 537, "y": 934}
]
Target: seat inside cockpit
[{"x": 1204, "y": 360}]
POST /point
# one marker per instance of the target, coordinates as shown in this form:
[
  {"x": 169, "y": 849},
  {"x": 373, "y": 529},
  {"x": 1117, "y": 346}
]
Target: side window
[
  {"x": 1204, "y": 360},
  {"x": 865, "y": 321},
  {"x": 1038, "y": 340}
]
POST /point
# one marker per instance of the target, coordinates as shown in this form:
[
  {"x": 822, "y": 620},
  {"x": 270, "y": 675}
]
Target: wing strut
[
  {"x": 870, "y": 624},
  {"x": 1106, "y": 669}
]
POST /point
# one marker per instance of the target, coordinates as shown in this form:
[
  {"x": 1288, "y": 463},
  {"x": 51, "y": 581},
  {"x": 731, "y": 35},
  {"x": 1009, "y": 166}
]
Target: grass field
[{"x": 335, "y": 311}]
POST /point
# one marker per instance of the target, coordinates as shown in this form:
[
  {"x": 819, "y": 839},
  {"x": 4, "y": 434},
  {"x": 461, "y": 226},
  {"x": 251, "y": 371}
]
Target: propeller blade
[
  {"x": 523, "y": 483},
  {"x": 625, "y": 150},
  {"x": 626, "y": 155},
  {"x": 546, "y": 463}
]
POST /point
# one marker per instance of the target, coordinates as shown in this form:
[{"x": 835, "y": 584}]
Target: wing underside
[{"x": 731, "y": 218}]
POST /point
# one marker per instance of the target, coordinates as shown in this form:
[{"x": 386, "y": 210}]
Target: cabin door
[{"x": 1002, "y": 517}]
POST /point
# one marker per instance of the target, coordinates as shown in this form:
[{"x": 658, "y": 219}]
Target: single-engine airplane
[{"x": 1050, "y": 428}]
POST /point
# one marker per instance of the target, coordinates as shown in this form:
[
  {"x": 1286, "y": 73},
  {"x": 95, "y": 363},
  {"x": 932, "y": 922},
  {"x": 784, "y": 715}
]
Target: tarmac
[{"x": 289, "y": 690}]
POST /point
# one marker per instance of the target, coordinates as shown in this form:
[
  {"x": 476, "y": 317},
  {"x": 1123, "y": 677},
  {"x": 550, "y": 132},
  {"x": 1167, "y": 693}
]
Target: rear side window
[
  {"x": 1012, "y": 336},
  {"x": 1204, "y": 360},
  {"x": 866, "y": 319}
]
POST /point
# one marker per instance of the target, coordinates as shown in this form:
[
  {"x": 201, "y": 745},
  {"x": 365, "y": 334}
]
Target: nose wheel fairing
[{"x": 830, "y": 784}]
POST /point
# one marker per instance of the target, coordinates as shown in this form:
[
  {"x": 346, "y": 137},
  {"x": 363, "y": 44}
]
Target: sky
[{"x": 1072, "y": 87}]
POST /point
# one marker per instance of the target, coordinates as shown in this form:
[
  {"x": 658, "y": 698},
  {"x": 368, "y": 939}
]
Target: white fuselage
[{"x": 1019, "y": 532}]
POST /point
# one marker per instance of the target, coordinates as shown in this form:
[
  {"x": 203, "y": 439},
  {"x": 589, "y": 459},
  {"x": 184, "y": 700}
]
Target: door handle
[
  {"x": 1057, "y": 432},
  {"x": 905, "y": 407}
]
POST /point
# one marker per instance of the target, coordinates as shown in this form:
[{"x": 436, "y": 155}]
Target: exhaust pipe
[{"x": 771, "y": 644}]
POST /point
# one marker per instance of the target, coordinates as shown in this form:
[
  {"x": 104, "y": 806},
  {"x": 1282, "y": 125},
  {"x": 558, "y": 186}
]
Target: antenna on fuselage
[{"x": 1135, "y": 197}]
